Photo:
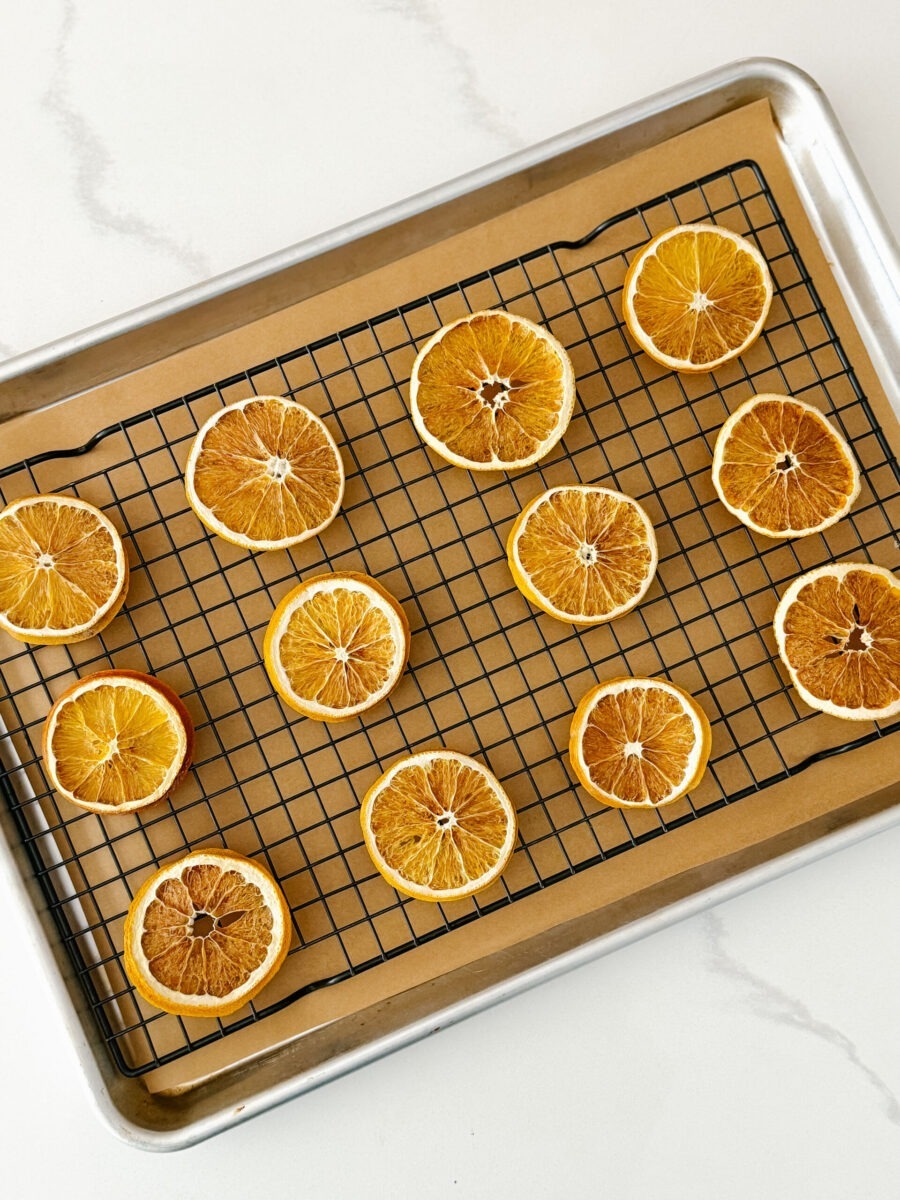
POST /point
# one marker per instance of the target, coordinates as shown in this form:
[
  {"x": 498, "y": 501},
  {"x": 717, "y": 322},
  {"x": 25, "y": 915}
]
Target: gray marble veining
[
  {"x": 774, "y": 1004},
  {"x": 93, "y": 161},
  {"x": 479, "y": 106}
]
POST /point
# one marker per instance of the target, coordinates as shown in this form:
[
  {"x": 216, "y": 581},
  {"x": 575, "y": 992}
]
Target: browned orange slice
[
  {"x": 205, "y": 934},
  {"x": 781, "y": 468},
  {"x": 838, "y": 633},
  {"x": 492, "y": 392}
]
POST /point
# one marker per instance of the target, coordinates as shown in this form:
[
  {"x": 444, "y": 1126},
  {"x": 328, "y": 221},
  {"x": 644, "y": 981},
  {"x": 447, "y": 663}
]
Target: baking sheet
[{"x": 744, "y": 135}]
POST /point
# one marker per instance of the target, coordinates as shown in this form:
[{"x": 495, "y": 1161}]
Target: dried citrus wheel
[
  {"x": 438, "y": 826},
  {"x": 265, "y": 474},
  {"x": 492, "y": 392},
  {"x": 583, "y": 553},
  {"x": 336, "y": 645},
  {"x": 63, "y": 570},
  {"x": 782, "y": 469},
  {"x": 696, "y": 296},
  {"x": 205, "y": 934},
  {"x": 838, "y": 633},
  {"x": 639, "y": 743},
  {"x": 117, "y": 741}
]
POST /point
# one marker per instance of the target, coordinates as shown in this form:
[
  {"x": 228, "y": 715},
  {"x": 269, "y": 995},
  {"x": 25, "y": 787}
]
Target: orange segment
[
  {"x": 781, "y": 468},
  {"x": 336, "y": 645},
  {"x": 838, "y": 633},
  {"x": 583, "y": 554},
  {"x": 117, "y": 741},
  {"x": 492, "y": 391},
  {"x": 639, "y": 743},
  {"x": 206, "y": 934},
  {"x": 265, "y": 474},
  {"x": 63, "y": 570},
  {"x": 438, "y": 826},
  {"x": 697, "y": 296}
]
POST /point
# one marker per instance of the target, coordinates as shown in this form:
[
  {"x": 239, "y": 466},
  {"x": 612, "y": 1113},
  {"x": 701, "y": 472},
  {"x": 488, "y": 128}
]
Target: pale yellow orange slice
[
  {"x": 205, "y": 934},
  {"x": 696, "y": 296},
  {"x": 63, "y": 570},
  {"x": 117, "y": 741},
  {"x": 336, "y": 646}
]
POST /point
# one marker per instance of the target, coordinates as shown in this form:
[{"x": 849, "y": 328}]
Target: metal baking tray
[{"x": 864, "y": 258}]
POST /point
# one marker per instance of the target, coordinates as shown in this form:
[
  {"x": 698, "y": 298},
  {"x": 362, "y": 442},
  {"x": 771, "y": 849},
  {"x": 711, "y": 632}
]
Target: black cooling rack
[{"x": 488, "y": 675}]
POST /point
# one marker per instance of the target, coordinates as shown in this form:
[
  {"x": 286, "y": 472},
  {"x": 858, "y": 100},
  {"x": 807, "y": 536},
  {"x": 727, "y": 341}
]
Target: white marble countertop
[{"x": 750, "y": 1051}]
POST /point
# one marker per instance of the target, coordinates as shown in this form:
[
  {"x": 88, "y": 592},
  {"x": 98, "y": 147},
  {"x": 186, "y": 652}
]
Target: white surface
[{"x": 750, "y": 1052}]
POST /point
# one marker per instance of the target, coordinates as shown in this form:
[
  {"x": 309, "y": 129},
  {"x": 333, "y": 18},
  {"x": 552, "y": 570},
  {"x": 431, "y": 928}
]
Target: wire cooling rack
[{"x": 488, "y": 675}]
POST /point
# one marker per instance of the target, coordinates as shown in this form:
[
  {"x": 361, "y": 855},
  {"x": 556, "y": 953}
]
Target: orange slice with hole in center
[
  {"x": 438, "y": 826},
  {"x": 783, "y": 469},
  {"x": 63, "y": 570},
  {"x": 583, "y": 553},
  {"x": 696, "y": 297},
  {"x": 492, "y": 392},
  {"x": 117, "y": 741},
  {"x": 205, "y": 934},
  {"x": 336, "y": 646},
  {"x": 838, "y": 633},
  {"x": 639, "y": 743},
  {"x": 265, "y": 474}
]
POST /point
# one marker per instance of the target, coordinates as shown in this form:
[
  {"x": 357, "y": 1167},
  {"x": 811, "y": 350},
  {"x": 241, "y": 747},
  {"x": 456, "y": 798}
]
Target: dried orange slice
[
  {"x": 492, "y": 392},
  {"x": 117, "y": 741},
  {"x": 438, "y": 826},
  {"x": 265, "y": 474},
  {"x": 838, "y": 633},
  {"x": 696, "y": 296},
  {"x": 639, "y": 743},
  {"x": 583, "y": 553},
  {"x": 205, "y": 934},
  {"x": 781, "y": 468},
  {"x": 63, "y": 570},
  {"x": 336, "y": 645}
]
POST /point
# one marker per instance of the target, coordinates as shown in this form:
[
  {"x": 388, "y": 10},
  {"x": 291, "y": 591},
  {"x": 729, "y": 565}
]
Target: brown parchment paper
[{"x": 826, "y": 795}]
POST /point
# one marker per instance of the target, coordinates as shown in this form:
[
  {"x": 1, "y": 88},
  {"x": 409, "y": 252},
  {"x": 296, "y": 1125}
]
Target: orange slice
[
  {"x": 336, "y": 646},
  {"x": 838, "y": 633},
  {"x": 265, "y": 474},
  {"x": 117, "y": 741},
  {"x": 781, "y": 468},
  {"x": 492, "y": 392},
  {"x": 583, "y": 553},
  {"x": 696, "y": 296},
  {"x": 63, "y": 570},
  {"x": 438, "y": 826},
  {"x": 205, "y": 934},
  {"x": 639, "y": 743}
]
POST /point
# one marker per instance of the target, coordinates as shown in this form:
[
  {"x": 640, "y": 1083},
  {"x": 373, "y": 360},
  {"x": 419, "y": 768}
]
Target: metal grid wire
[{"x": 488, "y": 675}]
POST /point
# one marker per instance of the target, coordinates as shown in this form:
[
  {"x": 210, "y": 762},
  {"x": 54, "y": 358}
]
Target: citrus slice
[
  {"x": 63, "y": 570},
  {"x": 265, "y": 474},
  {"x": 492, "y": 392},
  {"x": 205, "y": 934},
  {"x": 639, "y": 743},
  {"x": 438, "y": 826},
  {"x": 336, "y": 645},
  {"x": 838, "y": 633},
  {"x": 582, "y": 553},
  {"x": 117, "y": 741},
  {"x": 781, "y": 468},
  {"x": 696, "y": 296}
]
